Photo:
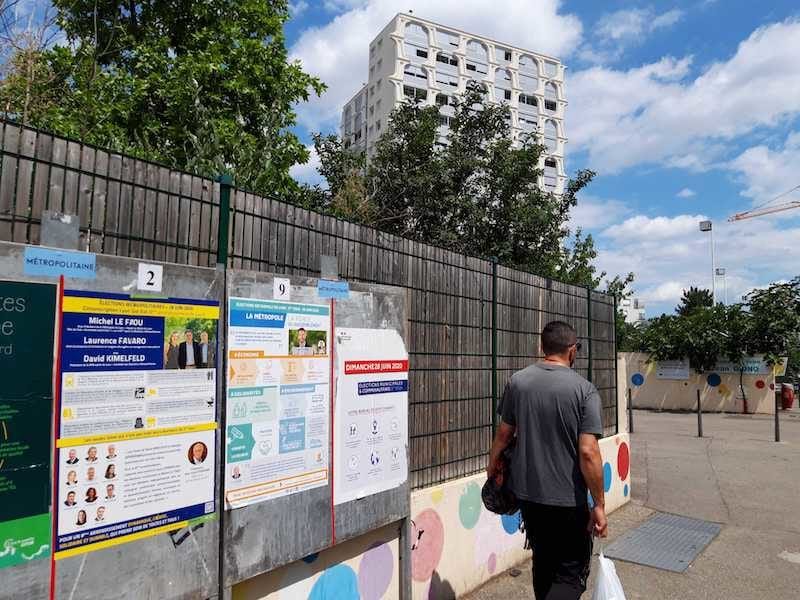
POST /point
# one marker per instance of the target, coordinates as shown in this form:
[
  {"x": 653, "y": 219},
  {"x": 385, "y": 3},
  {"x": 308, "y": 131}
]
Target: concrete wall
[
  {"x": 457, "y": 546},
  {"x": 719, "y": 392}
]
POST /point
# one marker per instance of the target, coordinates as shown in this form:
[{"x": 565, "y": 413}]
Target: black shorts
[{"x": 562, "y": 549}]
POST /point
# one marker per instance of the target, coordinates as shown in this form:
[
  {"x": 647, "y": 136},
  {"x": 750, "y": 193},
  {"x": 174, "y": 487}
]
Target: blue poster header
[
  {"x": 52, "y": 263},
  {"x": 382, "y": 387}
]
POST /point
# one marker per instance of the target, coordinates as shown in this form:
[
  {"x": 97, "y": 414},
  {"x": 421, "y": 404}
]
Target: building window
[
  {"x": 550, "y": 175},
  {"x": 415, "y": 94},
  {"x": 447, "y": 39},
  {"x": 378, "y": 124},
  {"x": 380, "y": 43},
  {"x": 528, "y": 123},
  {"x": 371, "y": 110},
  {"x": 477, "y": 51},
  {"x": 442, "y": 99},
  {"x": 550, "y": 68},
  {"x": 371, "y": 51},
  {"x": 507, "y": 56},
  {"x": 528, "y": 99},
  {"x": 550, "y": 106},
  {"x": 422, "y": 53},
  {"x": 507, "y": 94},
  {"x": 550, "y": 91},
  {"x": 550, "y": 136},
  {"x": 446, "y": 59},
  {"x": 378, "y": 104},
  {"x": 445, "y": 121},
  {"x": 417, "y": 33},
  {"x": 378, "y": 84},
  {"x": 380, "y": 63},
  {"x": 415, "y": 74},
  {"x": 357, "y": 135}
]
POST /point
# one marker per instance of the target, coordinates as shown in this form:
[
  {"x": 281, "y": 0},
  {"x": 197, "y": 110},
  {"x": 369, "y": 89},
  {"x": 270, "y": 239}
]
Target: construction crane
[{"x": 766, "y": 209}]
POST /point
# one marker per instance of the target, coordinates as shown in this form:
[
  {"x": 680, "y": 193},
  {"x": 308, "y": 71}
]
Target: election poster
[
  {"x": 371, "y": 413},
  {"x": 278, "y": 409},
  {"x": 136, "y": 436},
  {"x": 27, "y": 329}
]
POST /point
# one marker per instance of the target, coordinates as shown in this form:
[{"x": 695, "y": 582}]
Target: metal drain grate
[{"x": 668, "y": 542}]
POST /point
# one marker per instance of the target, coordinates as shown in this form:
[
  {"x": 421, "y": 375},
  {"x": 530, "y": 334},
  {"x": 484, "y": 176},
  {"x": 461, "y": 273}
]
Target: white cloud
[
  {"x": 592, "y": 212},
  {"x": 307, "y": 172},
  {"x": 297, "y": 8},
  {"x": 669, "y": 254},
  {"x": 616, "y": 31},
  {"x": 338, "y": 51},
  {"x": 766, "y": 173},
  {"x": 686, "y": 193},
  {"x": 634, "y": 23},
  {"x": 651, "y": 115}
]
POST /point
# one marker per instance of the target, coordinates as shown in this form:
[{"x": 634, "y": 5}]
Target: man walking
[{"x": 555, "y": 415}]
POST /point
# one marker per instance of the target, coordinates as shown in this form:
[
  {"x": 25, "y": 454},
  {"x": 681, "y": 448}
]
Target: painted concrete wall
[
  {"x": 719, "y": 392},
  {"x": 457, "y": 546},
  {"x": 364, "y": 568}
]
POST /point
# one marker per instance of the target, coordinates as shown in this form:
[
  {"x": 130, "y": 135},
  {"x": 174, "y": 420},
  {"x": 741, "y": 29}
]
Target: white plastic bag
[{"x": 608, "y": 586}]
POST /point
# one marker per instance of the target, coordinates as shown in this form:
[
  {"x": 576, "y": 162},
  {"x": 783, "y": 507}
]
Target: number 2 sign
[{"x": 150, "y": 277}]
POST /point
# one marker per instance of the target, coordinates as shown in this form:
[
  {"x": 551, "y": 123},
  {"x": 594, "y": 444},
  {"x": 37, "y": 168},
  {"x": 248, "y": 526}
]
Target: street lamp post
[
  {"x": 706, "y": 226},
  {"x": 720, "y": 272}
]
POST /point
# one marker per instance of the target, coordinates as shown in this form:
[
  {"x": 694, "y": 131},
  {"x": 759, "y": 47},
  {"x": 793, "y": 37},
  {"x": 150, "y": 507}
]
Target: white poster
[
  {"x": 672, "y": 369},
  {"x": 278, "y": 410},
  {"x": 370, "y": 413}
]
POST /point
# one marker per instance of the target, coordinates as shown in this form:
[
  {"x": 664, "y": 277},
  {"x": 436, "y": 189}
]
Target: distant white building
[
  {"x": 418, "y": 59},
  {"x": 633, "y": 309}
]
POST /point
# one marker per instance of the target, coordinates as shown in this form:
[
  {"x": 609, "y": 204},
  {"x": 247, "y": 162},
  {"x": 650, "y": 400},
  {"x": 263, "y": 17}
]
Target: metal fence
[{"x": 472, "y": 322}]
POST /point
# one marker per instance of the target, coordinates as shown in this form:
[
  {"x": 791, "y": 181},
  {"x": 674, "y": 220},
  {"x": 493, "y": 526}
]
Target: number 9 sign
[{"x": 281, "y": 289}]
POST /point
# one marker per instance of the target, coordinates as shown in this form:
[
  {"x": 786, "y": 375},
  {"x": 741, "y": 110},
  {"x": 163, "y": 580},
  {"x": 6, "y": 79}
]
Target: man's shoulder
[{"x": 535, "y": 373}]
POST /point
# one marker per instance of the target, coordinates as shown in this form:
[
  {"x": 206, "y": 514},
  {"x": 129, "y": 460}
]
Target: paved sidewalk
[{"x": 736, "y": 475}]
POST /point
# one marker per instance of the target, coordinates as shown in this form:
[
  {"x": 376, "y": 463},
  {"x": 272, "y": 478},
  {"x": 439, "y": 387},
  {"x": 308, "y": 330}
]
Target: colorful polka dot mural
[
  {"x": 491, "y": 564},
  {"x": 428, "y": 543},
  {"x": 511, "y": 523},
  {"x": 606, "y": 477},
  {"x": 623, "y": 461},
  {"x": 336, "y": 583},
  {"x": 760, "y": 384},
  {"x": 714, "y": 379},
  {"x": 375, "y": 572},
  {"x": 637, "y": 379},
  {"x": 469, "y": 505}
]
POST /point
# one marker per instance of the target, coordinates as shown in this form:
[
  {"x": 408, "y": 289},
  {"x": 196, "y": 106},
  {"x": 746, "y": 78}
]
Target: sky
[{"x": 687, "y": 111}]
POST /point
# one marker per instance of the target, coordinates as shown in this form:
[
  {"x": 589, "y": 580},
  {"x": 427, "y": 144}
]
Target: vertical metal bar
[
  {"x": 494, "y": 346},
  {"x": 589, "y": 329},
  {"x": 616, "y": 359},
  {"x": 777, "y": 417},
  {"x": 225, "y": 183},
  {"x": 630, "y": 411},
  {"x": 699, "y": 416}
]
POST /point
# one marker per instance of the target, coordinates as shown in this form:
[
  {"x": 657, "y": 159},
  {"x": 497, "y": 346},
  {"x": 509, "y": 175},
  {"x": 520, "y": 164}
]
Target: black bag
[{"x": 499, "y": 499}]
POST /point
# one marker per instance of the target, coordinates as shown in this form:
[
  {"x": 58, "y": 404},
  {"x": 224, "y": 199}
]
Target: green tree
[
  {"x": 694, "y": 298},
  {"x": 478, "y": 194},
  {"x": 203, "y": 86}
]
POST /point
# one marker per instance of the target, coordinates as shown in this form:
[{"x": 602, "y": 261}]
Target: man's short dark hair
[{"x": 557, "y": 337}]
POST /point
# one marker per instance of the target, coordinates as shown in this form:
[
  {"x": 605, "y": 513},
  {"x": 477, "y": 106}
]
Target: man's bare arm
[
  {"x": 503, "y": 437},
  {"x": 592, "y": 468}
]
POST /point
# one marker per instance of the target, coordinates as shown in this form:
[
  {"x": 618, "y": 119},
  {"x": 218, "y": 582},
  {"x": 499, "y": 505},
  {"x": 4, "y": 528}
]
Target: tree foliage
[
  {"x": 478, "y": 194},
  {"x": 203, "y": 86},
  {"x": 694, "y": 298},
  {"x": 767, "y": 323}
]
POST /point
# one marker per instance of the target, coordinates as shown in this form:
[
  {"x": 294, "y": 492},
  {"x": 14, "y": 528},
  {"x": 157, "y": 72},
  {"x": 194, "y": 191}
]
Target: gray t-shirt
[{"x": 550, "y": 406}]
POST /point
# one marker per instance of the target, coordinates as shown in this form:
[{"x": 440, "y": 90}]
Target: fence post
[
  {"x": 777, "y": 417},
  {"x": 494, "y": 345},
  {"x": 699, "y": 417},
  {"x": 225, "y": 185},
  {"x": 589, "y": 328},
  {"x": 630, "y": 411}
]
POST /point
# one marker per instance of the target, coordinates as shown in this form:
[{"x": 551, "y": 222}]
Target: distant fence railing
[{"x": 472, "y": 322}]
